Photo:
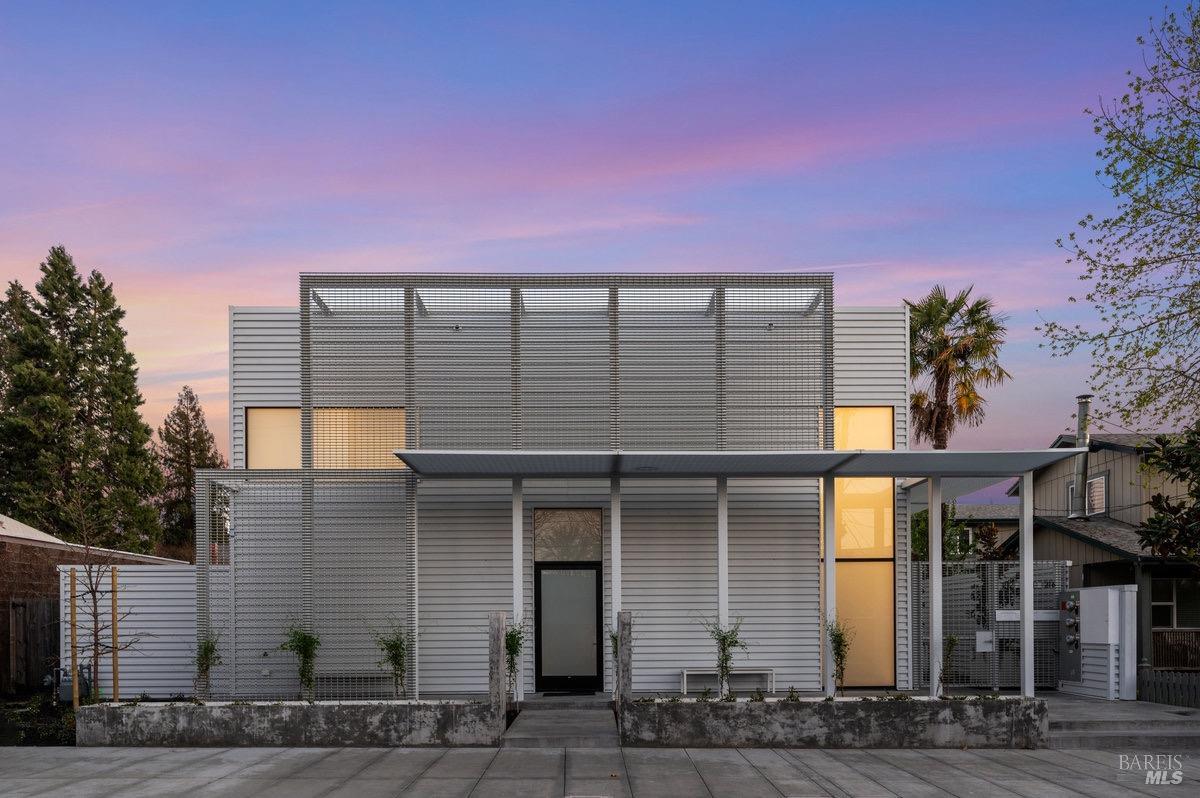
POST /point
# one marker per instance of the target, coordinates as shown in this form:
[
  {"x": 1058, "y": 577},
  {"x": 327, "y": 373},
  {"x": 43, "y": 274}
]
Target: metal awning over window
[{"x": 816, "y": 463}]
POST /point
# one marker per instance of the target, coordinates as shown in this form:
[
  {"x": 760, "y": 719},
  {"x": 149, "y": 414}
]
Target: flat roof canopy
[{"x": 813, "y": 463}]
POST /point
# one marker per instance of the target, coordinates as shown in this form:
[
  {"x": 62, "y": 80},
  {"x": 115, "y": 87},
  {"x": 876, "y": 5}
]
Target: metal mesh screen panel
[
  {"x": 251, "y": 585},
  {"x": 972, "y": 593},
  {"x": 566, "y": 362}
]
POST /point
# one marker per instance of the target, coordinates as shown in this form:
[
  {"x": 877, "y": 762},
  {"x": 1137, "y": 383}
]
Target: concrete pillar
[
  {"x": 935, "y": 586},
  {"x": 828, "y": 521},
  {"x": 723, "y": 551},
  {"x": 624, "y": 656},
  {"x": 1026, "y": 548},
  {"x": 518, "y": 574},
  {"x": 497, "y": 690}
]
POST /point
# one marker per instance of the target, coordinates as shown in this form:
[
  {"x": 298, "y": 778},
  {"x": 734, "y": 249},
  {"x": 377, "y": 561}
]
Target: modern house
[
  {"x": 413, "y": 451},
  {"x": 1098, "y": 534}
]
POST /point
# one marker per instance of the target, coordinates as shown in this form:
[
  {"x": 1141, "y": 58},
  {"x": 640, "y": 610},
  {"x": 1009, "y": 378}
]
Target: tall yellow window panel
[
  {"x": 865, "y": 534},
  {"x": 343, "y": 437},
  {"x": 272, "y": 437}
]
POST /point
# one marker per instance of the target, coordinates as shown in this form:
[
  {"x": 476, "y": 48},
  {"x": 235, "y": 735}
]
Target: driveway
[{"x": 641, "y": 772}]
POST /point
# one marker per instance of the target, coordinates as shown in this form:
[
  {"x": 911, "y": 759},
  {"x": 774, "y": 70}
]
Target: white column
[
  {"x": 518, "y": 573},
  {"x": 1027, "y": 584},
  {"x": 614, "y": 513},
  {"x": 935, "y": 585},
  {"x": 723, "y": 551},
  {"x": 829, "y": 522}
]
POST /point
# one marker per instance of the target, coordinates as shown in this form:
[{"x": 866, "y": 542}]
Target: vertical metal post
[
  {"x": 74, "y": 646},
  {"x": 116, "y": 640},
  {"x": 723, "y": 551},
  {"x": 721, "y": 366},
  {"x": 514, "y": 351},
  {"x": 827, "y": 363},
  {"x": 518, "y": 574},
  {"x": 935, "y": 586},
  {"x": 614, "y": 513},
  {"x": 1027, "y": 683},
  {"x": 306, "y": 457},
  {"x": 412, "y": 440},
  {"x": 829, "y": 522},
  {"x": 614, "y": 369}
]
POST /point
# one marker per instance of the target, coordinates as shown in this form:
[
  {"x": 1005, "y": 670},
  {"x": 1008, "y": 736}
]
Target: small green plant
[
  {"x": 705, "y": 695},
  {"x": 304, "y": 645},
  {"x": 757, "y": 696},
  {"x": 728, "y": 639},
  {"x": 792, "y": 695},
  {"x": 208, "y": 656},
  {"x": 948, "y": 646},
  {"x": 673, "y": 700},
  {"x": 514, "y": 642},
  {"x": 898, "y": 697},
  {"x": 396, "y": 647},
  {"x": 841, "y": 635},
  {"x": 829, "y": 699}
]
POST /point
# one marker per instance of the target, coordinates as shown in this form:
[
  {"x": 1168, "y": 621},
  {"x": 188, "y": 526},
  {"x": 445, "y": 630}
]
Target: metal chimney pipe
[{"x": 1082, "y": 440}]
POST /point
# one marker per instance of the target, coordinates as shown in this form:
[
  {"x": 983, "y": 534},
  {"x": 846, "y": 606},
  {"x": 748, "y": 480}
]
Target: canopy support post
[{"x": 935, "y": 586}]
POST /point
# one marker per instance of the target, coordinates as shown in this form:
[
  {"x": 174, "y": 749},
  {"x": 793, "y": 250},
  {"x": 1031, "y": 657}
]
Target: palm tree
[{"x": 955, "y": 347}]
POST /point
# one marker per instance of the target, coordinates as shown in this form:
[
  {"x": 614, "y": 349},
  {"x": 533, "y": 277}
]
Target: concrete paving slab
[
  {"x": 784, "y": 774},
  {"x": 1054, "y": 773},
  {"x": 663, "y": 771},
  {"x": 725, "y": 770},
  {"x": 518, "y": 788},
  {"x": 898, "y": 781},
  {"x": 836, "y": 777},
  {"x": 609, "y": 788},
  {"x": 281, "y": 762},
  {"x": 952, "y": 781},
  {"x": 343, "y": 763},
  {"x": 531, "y": 763},
  {"x": 367, "y": 788},
  {"x": 402, "y": 764},
  {"x": 1006, "y": 776},
  {"x": 90, "y": 787},
  {"x": 462, "y": 763},
  {"x": 594, "y": 763},
  {"x": 426, "y": 787},
  {"x": 235, "y": 787}
]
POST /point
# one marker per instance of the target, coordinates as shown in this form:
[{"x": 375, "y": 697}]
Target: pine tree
[
  {"x": 72, "y": 432},
  {"x": 184, "y": 445}
]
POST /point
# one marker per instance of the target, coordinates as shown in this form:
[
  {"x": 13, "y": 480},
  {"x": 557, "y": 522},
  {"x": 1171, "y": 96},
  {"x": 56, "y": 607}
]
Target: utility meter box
[{"x": 1097, "y": 642}]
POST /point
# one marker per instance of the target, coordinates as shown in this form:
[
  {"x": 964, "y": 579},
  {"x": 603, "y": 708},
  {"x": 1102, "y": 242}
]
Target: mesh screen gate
[
  {"x": 388, "y": 361},
  {"x": 972, "y": 595}
]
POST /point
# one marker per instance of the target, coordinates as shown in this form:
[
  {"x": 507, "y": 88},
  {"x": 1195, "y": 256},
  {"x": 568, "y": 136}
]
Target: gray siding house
[{"x": 414, "y": 451}]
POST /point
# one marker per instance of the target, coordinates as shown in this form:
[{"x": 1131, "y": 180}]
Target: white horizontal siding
[
  {"x": 264, "y": 367},
  {"x": 156, "y": 619}
]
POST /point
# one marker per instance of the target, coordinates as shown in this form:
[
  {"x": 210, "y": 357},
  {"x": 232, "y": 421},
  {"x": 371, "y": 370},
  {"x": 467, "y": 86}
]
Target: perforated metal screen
[{"x": 972, "y": 593}]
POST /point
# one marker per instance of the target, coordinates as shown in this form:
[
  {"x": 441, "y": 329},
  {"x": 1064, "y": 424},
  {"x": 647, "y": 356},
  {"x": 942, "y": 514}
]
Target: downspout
[{"x": 1082, "y": 441}]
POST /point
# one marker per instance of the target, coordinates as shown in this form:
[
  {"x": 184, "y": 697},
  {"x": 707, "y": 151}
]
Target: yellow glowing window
[
  {"x": 864, "y": 505},
  {"x": 343, "y": 437},
  {"x": 272, "y": 437},
  {"x": 866, "y": 602},
  {"x": 357, "y": 437}
]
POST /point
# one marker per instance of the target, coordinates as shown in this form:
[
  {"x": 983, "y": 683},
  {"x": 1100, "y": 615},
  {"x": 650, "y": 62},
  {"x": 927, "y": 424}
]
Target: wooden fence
[
  {"x": 1178, "y": 688},
  {"x": 32, "y": 646}
]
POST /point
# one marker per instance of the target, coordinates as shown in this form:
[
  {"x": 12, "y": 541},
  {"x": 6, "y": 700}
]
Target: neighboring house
[
  {"x": 420, "y": 450},
  {"x": 1005, "y": 517},
  {"x": 29, "y": 560},
  {"x": 1102, "y": 542}
]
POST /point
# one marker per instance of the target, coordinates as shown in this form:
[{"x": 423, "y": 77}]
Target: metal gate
[{"x": 981, "y": 603}]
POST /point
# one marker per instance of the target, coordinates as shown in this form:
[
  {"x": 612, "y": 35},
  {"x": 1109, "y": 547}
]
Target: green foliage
[
  {"x": 792, "y": 695},
  {"x": 514, "y": 642},
  {"x": 184, "y": 445},
  {"x": 757, "y": 696},
  {"x": 1139, "y": 263},
  {"x": 1173, "y": 531},
  {"x": 396, "y": 646},
  {"x": 705, "y": 695},
  {"x": 954, "y": 351},
  {"x": 987, "y": 543},
  {"x": 954, "y": 535},
  {"x": 208, "y": 656},
  {"x": 71, "y": 432},
  {"x": 728, "y": 639},
  {"x": 949, "y": 644},
  {"x": 304, "y": 645},
  {"x": 841, "y": 635}
]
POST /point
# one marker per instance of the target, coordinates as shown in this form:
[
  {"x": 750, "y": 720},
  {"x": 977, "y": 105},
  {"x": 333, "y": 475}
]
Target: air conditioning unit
[{"x": 1097, "y": 642}]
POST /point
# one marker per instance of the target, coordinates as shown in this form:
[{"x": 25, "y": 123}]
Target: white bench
[{"x": 769, "y": 673}]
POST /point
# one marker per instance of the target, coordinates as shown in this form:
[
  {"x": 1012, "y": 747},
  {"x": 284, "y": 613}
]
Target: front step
[
  {"x": 539, "y": 703},
  {"x": 1126, "y": 739},
  {"x": 568, "y": 728}
]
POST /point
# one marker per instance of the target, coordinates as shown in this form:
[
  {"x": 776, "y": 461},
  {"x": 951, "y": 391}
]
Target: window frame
[{"x": 1088, "y": 510}]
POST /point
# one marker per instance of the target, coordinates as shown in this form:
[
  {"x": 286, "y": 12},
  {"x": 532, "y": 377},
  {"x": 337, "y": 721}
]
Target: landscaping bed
[
  {"x": 980, "y": 722},
  {"x": 291, "y": 723}
]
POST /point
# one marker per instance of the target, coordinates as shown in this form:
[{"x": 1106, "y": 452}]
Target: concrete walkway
[{"x": 640, "y": 772}]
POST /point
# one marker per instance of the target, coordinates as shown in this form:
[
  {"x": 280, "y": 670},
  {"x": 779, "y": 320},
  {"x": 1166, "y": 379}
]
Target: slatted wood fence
[
  {"x": 1178, "y": 688},
  {"x": 31, "y": 649}
]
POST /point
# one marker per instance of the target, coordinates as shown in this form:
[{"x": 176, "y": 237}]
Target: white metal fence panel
[{"x": 156, "y": 612}]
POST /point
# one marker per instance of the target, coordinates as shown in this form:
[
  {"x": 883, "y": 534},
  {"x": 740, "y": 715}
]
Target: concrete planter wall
[
  {"x": 290, "y": 723},
  {"x": 991, "y": 723}
]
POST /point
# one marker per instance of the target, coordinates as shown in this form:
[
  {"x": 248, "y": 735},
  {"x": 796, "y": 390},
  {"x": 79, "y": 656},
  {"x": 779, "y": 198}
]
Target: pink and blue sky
[{"x": 202, "y": 155}]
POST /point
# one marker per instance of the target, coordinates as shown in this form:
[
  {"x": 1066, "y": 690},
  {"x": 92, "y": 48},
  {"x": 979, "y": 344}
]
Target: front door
[{"x": 567, "y": 609}]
